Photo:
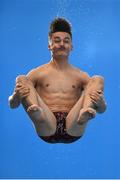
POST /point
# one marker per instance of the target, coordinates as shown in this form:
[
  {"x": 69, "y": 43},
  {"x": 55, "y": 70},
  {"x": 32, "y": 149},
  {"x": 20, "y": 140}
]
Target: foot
[
  {"x": 34, "y": 108},
  {"x": 35, "y": 111},
  {"x": 86, "y": 114}
]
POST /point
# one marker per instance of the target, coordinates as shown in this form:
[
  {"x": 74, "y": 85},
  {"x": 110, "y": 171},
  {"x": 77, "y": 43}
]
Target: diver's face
[{"x": 60, "y": 44}]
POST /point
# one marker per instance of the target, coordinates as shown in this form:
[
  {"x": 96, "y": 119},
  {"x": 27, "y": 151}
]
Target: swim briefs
[{"x": 60, "y": 135}]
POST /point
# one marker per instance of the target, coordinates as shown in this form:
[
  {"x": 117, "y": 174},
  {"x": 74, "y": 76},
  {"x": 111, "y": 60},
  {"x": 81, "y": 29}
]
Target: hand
[
  {"x": 21, "y": 90},
  {"x": 97, "y": 97}
]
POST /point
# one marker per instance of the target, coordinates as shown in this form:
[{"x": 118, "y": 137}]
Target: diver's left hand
[{"x": 97, "y": 97}]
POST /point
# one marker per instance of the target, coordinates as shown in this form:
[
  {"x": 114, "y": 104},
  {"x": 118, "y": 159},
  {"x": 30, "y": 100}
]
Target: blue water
[{"x": 96, "y": 49}]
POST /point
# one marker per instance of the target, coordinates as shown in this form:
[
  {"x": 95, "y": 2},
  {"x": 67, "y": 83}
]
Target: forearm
[{"x": 14, "y": 101}]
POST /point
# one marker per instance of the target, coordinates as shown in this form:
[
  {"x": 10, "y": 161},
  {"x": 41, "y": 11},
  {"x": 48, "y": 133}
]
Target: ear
[
  {"x": 49, "y": 43},
  {"x": 71, "y": 47},
  {"x": 49, "y": 46}
]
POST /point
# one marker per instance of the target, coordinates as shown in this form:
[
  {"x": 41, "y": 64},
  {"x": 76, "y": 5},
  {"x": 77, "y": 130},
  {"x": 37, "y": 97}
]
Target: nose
[{"x": 62, "y": 43}]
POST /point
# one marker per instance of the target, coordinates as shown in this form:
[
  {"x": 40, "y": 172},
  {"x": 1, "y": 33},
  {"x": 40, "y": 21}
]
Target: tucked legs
[
  {"x": 76, "y": 120},
  {"x": 41, "y": 116},
  {"x": 84, "y": 109}
]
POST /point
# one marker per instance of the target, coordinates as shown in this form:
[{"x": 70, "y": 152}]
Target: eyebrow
[{"x": 57, "y": 37}]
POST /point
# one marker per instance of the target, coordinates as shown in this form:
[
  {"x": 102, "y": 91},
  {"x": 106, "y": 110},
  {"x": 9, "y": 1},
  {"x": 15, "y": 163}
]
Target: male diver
[{"x": 59, "y": 98}]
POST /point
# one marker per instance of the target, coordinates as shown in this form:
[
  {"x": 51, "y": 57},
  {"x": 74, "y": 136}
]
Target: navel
[
  {"x": 47, "y": 85},
  {"x": 73, "y": 86}
]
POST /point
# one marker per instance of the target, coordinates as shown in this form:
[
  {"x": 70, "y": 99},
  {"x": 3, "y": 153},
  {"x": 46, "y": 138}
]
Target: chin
[{"x": 62, "y": 54}]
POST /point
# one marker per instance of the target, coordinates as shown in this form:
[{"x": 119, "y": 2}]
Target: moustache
[{"x": 62, "y": 48}]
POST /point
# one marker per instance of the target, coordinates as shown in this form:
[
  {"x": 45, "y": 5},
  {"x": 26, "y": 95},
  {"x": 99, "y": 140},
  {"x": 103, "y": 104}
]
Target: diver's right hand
[{"x": 21, "y": 90}]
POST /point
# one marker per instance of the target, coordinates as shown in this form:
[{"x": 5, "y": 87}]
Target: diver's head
[
  {"x": 60, "y": 25},
  {"x": 60, "y": 37}
]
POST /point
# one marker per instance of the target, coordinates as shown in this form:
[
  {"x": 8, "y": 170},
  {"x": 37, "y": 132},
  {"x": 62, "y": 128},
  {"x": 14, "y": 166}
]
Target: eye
[
  {"x": 66, "y": 41},
  {"x": 57, "y": 41}
]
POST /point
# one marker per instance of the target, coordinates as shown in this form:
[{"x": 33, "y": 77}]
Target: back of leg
[
  {"x": 44, "y": 120},
  {"x": 73, "y": 127}
]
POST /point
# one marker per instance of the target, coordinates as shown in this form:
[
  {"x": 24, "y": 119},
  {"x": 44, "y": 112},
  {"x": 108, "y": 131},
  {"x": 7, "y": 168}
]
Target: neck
[{"x": 60, "y": 64}]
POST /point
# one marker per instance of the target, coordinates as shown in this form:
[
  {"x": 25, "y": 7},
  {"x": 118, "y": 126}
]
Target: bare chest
[{"x": 59, "y": 83}]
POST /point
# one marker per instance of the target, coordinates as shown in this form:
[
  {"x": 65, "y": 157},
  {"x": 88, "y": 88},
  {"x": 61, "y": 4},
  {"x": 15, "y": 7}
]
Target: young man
[{"x": 59, "y": 98}]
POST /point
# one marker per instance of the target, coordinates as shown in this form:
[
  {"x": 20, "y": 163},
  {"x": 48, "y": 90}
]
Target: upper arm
[
  {"x": 36, "y": 75},
  {"x": 32, "y": 76},
  {"x": 85, "y": 78}
]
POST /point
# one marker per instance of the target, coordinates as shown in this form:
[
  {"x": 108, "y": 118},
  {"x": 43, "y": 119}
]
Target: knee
[
  {"x": 98, "y": 79},
  {"x": 21, "y": 78},
  {"x": 96, "y": 82}
]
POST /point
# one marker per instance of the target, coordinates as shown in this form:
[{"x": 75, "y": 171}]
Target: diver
[{"x": 59, "y": 98}]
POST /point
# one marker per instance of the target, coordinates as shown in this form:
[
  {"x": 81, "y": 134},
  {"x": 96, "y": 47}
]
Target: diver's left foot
[{"x": 85, "y": 115}]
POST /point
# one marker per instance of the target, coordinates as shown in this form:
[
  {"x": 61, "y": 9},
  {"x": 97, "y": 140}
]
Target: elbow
[
  {"x": 12, "y": 106},
  {"x": 103, "y": 109},
  {"x": 11, "y": 103}
]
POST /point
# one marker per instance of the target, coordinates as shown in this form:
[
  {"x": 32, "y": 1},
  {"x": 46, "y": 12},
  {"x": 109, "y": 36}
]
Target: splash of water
[{"x": 63, "y": 7}]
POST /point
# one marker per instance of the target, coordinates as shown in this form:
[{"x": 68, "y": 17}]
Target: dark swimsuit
[{"x": 60, "y": 135}]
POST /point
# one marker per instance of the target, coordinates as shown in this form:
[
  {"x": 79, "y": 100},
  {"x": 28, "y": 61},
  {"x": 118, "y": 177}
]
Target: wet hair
[{"x": 60, "y": 25}]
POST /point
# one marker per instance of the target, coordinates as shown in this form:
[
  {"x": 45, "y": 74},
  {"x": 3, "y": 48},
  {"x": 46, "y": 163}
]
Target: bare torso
[{"x": 60, "y": 90}]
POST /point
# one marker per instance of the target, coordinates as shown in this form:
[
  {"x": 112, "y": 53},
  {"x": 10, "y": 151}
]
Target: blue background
[{"x": 24, "y": 26}]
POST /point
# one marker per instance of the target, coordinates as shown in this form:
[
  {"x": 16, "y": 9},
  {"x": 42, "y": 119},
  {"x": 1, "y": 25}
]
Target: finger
[
  {"x": 99, "y": 91},
  {"x": 94, "y": 102},
  {"x": 18, "y": 85},
  {"x": 22, "y": 88},
  {"x": 94, "y": 97},
  {"x": 94, "y": 93},
  {"x": 18, "y": 90},
  {"x": 23, "y": 95},
  {"x": 23, "y": 92},
  {"x": 97, "y": 95}
]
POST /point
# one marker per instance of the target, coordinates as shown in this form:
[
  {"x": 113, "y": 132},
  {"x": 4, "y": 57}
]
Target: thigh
[
  {"x": 74, "y": 112},
  {"x": 48, "y": 114},
  {"x": 72, "y": 126},
  {"x": 44, "y": 121}
]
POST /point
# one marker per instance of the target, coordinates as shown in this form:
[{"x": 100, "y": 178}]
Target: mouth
[{"x": 61, "y": 50}]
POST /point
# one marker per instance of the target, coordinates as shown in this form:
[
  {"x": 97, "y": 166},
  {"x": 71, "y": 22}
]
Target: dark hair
[{"x": 60, "y": 24}]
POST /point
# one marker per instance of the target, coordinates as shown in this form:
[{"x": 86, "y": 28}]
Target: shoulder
[
  {"x": 80, "y": 73},
  {"x": 83, "y": 76},
  {"x": 37, "y": 72}
]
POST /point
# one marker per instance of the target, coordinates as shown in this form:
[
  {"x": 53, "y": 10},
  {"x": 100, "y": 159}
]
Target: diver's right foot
[
  {"x": 34, "y": 108},
  {"x": 35, "y": 112}
]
